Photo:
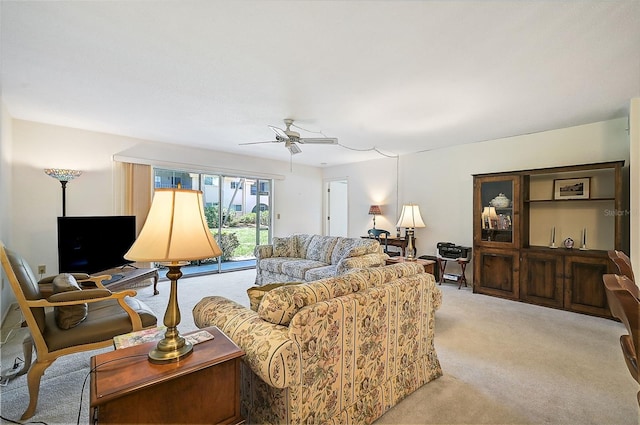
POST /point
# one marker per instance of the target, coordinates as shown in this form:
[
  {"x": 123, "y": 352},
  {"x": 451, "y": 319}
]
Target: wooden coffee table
[{"x": 126, "y": 277}]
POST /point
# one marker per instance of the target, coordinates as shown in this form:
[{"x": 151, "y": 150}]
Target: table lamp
[
  {"x": 375, "y": 210},
  {"x": 410, "y": 219},
  {"x": 175, "y": 232}
]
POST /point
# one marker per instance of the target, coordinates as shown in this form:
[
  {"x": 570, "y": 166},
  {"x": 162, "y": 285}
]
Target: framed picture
[{"x": 571, "y": 188}]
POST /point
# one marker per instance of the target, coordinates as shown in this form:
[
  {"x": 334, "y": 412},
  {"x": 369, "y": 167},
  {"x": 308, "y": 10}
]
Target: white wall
[
  {"x": 441, "y": 183},
  {"x": 37, "y": 198},
  {"x": 6, "y": 295},
  {"x": 634, "y": 137}
]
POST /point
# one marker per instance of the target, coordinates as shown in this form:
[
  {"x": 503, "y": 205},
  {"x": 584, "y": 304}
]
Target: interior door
[{"x": 336, "y": 207}]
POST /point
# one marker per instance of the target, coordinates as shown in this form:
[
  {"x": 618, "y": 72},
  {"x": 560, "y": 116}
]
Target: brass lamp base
[
  {"x": 409, "y": 250},
  {"x": 172, "y": 347},
  {"x": 158, "y": 356}
]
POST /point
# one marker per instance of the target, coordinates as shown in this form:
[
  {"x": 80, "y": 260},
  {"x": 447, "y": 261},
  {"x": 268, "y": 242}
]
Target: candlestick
[
  {"x": 553, "y": 237},
  {"x": 584, "y": 239}
]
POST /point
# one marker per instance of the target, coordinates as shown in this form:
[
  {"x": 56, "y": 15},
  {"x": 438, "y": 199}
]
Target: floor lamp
[
  {"x": 410, "y": 219},
  {"x": 175, "y": 232},
  {"x": 63, "y": 176}
]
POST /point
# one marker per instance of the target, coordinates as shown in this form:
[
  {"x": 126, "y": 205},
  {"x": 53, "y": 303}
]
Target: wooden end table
[
  {"x": 204, "y": 387},
  {"x": 427, "y": 264}
]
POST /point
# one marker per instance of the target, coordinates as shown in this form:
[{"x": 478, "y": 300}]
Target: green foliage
[
  {"x": 228, "y": 242},
  {"x": 212, "y": 215}
]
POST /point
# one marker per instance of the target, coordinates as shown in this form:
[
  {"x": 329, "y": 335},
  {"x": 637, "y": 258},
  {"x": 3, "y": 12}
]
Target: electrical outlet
[{"x": 42, "y": 269}]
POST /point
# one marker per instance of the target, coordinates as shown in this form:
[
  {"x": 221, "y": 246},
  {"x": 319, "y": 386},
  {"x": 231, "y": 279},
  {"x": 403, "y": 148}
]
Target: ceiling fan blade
[
  {"x": 319, "y": 140},
  {"x": 279, "y": 132},
  {"x": 259, "y": 143}
]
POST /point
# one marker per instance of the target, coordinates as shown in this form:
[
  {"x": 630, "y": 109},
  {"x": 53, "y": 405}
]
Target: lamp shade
[
  {"x": 61, "y": 174},
  {"x": 410, "y": 217},
  {"x": 375, "y": 210},
  {"x": 175, "y": 230}
]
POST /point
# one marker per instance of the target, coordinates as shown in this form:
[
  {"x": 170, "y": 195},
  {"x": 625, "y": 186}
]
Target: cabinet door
[
  {"x": 541, "y": 279},
  {"x": 584, "y": 287},
  {"x": 496, "y": 272},
  {"x": 496, "y": 214}
]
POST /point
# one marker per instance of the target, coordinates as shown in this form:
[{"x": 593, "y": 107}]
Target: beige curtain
[{"x": 137, "y": 192}]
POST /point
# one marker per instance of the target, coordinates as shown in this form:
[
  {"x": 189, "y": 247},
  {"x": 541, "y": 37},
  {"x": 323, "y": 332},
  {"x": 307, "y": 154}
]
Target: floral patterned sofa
[
  {"x": 340, "y": 350},
  {"x": 303, "y": 257}
]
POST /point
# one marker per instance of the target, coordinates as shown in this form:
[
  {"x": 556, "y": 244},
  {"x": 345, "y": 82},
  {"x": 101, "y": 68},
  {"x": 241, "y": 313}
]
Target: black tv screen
[{"x": 93, "y": 244}]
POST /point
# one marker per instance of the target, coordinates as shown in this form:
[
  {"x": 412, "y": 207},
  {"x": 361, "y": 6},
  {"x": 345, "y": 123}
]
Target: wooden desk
[
  {"x": 401, "y": 243},
  {"x": 131, "y": 277},
  {"x": 427, "y": 264},
  {"x": 202, "y": 388}
]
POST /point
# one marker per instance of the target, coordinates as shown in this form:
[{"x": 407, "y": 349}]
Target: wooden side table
[
  {"x": 462, "y": 262},
  {"x": 427, "y": 264},
  {"x": 201, "y": 388}
]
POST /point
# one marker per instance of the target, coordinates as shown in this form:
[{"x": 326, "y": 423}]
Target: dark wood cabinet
[
  {"x": 496, "y": 272},
  {"x": 542, "y": 279},
  {"x": 521, "y": 221}
]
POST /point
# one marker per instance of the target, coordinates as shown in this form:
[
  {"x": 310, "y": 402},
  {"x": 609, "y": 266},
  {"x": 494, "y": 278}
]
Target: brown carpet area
[{"x": 504, "y": 362}]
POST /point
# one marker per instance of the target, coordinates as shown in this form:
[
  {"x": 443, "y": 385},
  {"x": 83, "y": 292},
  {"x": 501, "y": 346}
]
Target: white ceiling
[{"x": 398, "y": 76}]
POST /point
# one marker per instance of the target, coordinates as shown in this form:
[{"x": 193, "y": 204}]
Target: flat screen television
[{"x": 94, "y": 243}]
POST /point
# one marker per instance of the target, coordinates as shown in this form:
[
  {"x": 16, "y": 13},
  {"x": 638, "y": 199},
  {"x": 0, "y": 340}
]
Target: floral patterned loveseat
[
  {"x": 339, "y": 350},
  {"x": 303, "y": 257}
]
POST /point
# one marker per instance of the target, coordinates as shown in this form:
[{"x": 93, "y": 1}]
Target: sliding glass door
[{"x": 237, "y": 210}]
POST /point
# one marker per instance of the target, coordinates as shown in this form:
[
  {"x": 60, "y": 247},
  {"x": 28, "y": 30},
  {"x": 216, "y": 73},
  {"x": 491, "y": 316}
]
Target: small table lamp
[
  {"x": 410, "y": 219},
  {"x": 374, "y": 210},
  {"x": 175, "y": 232}
]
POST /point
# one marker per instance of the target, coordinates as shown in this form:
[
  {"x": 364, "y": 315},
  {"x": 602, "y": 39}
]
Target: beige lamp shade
[
  {"x": 175, "y": 230},
  {"x": 410, "y": 217}
]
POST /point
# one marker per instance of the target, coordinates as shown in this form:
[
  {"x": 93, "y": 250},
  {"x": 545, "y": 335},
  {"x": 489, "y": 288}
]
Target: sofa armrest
[
  {"x": 363, "y": 261},
  {"x": 269, "y": 351},
  {"x": 263, "y": 251}
]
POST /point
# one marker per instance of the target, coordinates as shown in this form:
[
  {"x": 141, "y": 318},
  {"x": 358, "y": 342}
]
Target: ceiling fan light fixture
[{"x": 293, "y": 148}]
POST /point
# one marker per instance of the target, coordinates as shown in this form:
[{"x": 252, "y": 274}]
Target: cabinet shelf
[{"x": 532, "y": 201}]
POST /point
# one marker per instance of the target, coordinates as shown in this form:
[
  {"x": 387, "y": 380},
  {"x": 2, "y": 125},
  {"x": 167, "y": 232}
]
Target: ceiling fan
[{"x": 291, "y": 138}]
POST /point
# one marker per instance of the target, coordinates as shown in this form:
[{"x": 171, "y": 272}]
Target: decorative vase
[{"x": 500, "y": 201}]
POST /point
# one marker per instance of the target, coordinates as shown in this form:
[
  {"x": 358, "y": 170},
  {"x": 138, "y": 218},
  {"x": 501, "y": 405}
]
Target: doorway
[{"x": 336, "y": 207}]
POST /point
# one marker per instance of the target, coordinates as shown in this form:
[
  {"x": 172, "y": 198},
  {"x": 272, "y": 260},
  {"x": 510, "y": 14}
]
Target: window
[{"x": 236, "y": 185}]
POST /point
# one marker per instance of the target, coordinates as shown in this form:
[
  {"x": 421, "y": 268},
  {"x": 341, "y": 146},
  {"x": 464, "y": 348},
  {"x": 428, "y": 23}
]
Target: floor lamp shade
[{"x": 175, "y": 231}]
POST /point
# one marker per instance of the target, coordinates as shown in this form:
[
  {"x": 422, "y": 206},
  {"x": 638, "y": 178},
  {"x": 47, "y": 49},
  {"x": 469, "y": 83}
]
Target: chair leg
[
  {"x": 27, "y": 350},
  {"x": 33, "y": 382}
]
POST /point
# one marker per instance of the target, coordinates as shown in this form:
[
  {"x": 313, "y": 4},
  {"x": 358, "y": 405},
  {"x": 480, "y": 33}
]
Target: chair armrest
[
  {"x": 92, "y": 296},
  {"x": 81, "y": 296},
  {"x": 263, "y": 251},
  {"x": 269, "y": 351}
]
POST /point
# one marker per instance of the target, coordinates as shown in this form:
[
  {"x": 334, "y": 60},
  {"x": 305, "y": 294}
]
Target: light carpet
[{"x": 504, "y": 362}]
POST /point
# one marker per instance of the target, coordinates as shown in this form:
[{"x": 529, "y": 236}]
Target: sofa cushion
[
  {"x": 274, "y": 264},
  {"x": 70, "y": 315},
  {"x": 321, "y": 248},
  {"x": 320, "y": 273},
  {"x": 296, "y": 268},
  {"x": 301, "y": 245},
  {"x": 256, "y": 293},
  {"x": 279, "y": 305},
  {"x": 283, "y": 247}
]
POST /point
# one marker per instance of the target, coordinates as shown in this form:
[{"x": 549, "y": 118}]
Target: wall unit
[{"x": 521, "y": 220}]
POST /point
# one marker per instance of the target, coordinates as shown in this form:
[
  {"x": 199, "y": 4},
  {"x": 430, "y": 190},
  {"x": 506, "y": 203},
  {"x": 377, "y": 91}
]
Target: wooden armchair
[
  {"x": 106, "y": 315},
  {"x": 381, "y": 236},
  {"x": 622, "y": 261},
  {"x": 622, "y": 296}
]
